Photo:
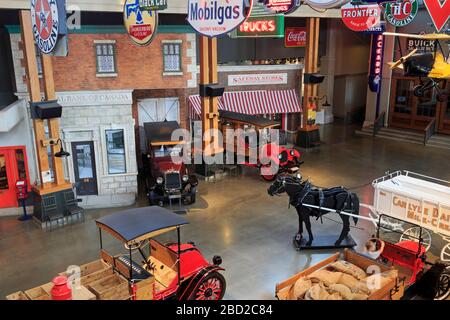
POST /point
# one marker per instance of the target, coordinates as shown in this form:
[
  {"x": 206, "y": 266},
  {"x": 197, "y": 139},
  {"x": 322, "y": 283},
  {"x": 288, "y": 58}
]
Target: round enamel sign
[
  {"x": 216, "y": 17},
  {"x": 325, "y": 4},
  {"x": 45, "y": 24},
  {"x": 361, "y": 17},
  {"x": 140, "y": 24},
  {"x": 401, "y": 14}
]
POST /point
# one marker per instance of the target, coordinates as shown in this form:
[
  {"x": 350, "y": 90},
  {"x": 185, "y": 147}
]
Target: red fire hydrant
[{"x": 61, "y": 289}]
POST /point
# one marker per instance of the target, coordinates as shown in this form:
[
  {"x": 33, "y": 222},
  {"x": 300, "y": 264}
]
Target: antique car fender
[{"x": 195, "y": 281}]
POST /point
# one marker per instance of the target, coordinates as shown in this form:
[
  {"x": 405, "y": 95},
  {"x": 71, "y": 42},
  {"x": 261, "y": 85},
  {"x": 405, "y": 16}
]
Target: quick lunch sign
[{"x": 216, "y": 17}]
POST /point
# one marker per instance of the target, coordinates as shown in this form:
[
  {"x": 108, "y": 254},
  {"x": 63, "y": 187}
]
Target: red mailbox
[{"x": 21, "y": 190}]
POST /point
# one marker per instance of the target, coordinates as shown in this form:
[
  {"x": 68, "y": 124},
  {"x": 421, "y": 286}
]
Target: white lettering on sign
[{"x": 257, "y": 79}]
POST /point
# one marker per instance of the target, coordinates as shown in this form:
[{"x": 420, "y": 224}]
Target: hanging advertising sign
[
  {"x": 361, "y": 17},
  {"x": 326, "y": 4},
  {"x": 402, "y": 13},
  {"x": 282, "y": 6},
  {"x": 153, "y": 4},
  {"x": 140, "y": 24},
  {"x": 262, "y": 26},
  {"x": 376, "y": 62},
  {"x": 439, "y": 12},
  {"x": 421, "y": 45},
  {"x": 45, "y": 24},
  {"x": 216, "y": 17},
  {"x": 295, "y": 37},
  {"x": 257, "y": 79}
]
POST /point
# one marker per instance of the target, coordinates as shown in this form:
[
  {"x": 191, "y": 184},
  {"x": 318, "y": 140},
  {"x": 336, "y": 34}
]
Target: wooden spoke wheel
[
  {"x": 443, "y": 285},
  {"x": 211, "y": 288},
  {"x": 413, "y": 233},
  {"x": 445, "y": 253}
]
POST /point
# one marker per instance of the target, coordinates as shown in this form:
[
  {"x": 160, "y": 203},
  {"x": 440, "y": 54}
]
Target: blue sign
[{"x": 376, "y": 62}]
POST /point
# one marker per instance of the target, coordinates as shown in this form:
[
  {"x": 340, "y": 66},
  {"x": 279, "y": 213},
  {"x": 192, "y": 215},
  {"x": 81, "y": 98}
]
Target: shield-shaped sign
[
  {"x": 140, "y": 24},
  {"x": 45, "y": 24}
]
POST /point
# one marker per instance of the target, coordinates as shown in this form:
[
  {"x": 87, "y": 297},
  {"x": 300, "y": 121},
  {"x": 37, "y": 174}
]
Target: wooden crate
[
  {"x": 20, "y": 295},
  {"x": 390, "y": 291},
  {"x": 37, "y": 293},
  {"x": 113, "y": 287},
  {"x": 93, "y": 271}
]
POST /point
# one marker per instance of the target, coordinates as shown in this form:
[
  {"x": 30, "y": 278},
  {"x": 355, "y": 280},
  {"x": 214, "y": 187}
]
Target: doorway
[
  {"x": 84, "y": 168},
  {"x": 13, "y": 167}
]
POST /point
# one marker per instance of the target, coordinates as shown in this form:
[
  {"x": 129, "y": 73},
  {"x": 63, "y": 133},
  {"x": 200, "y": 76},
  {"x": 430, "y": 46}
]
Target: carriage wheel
[
  {"x": 413, "y": 233},
  {"x": 445, "y": 253},
  {"x": 443, "y": 285},
  {"x": 211, "y": 288}
]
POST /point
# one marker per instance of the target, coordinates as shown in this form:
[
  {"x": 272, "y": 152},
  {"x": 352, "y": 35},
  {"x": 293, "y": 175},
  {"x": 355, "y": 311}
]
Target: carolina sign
[
  {"x": 217, "y": 17},
  {"x": 439, "y": 12},
  {"x": 140, "y": 24},
  {"x": 401, "y": 14},
  {"x": 45, "y": 24}
]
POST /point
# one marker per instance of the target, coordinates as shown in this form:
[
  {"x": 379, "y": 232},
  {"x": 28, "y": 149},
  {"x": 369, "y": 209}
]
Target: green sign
[
  {"x": 399, "y": 14},
  {"x": 153, "y": 4},
  {"x": 261, "y": 26}
]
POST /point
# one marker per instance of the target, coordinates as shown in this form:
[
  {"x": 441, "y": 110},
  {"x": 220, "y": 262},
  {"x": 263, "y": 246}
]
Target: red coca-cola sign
[
  {"x": 295, "y": 37},
  {"x": 361, "y": 17}
]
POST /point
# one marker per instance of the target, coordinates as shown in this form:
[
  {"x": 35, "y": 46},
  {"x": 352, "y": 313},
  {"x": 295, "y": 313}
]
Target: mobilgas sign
[
  {"x": 153, "y": 4},
  {"x": 216, "y": 17},
  {"x": 402, "y": 13},
  {"x": 45, "y": 24}
]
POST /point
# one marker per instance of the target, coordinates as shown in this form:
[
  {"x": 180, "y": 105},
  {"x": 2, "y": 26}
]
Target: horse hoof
[
  {"x": 337, "y": 243},
  {"x": 309, "y": 243}
]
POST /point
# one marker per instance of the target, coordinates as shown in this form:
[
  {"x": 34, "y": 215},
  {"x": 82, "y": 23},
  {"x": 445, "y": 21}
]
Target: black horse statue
[{"x": 303, "y": 192}]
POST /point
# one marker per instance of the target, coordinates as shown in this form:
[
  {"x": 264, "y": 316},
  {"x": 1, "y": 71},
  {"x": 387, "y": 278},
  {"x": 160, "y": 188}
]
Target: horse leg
[
  {"x": 307, "y": 220},
  {"x": 345, "y": 228},
  {"x": 299, "y": 236}
]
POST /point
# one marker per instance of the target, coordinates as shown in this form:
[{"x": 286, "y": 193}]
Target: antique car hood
[{"x": 165, "y": 164}]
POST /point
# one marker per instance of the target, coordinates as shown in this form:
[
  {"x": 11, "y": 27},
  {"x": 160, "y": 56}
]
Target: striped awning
[{"x": 252, "y": 102}]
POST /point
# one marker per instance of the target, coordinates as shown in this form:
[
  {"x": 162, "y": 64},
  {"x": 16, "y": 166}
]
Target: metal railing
[
  {"x": 379, "y": 123},
  {"x": 429, "y": 131}
]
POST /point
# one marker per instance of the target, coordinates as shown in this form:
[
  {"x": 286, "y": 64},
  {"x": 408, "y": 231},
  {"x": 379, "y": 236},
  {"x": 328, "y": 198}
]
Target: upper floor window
[
  {"x": 105, "y": 52},
  {"x": 172, "y": 57}
]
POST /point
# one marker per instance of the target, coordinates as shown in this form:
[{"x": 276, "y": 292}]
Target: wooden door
[{"x": 84, "y": 168}]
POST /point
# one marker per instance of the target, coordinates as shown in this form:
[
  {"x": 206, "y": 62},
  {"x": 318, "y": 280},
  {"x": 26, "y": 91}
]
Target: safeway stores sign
[
  {"x": 295, "y": 37},
  {"x": 361, "y": 17},
  {"x": 402, "y": 13},
  {"x": 216, "y": 17},
  {"x": 262, "y": 26}
]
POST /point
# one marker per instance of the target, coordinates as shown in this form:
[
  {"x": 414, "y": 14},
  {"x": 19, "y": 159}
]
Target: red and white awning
[{"x": 252, "y": 102}]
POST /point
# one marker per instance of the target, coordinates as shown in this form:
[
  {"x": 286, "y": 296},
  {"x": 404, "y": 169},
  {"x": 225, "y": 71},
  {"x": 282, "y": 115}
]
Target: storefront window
[
  {"x": 3, "y": 174},
  {"x": 403, "y": 96},
  {"x": 426, "y": 106},
  {"x": 172, "y": 57},
  {"x": 115, "y": 145},
  {"x": 106, "y": 60}
]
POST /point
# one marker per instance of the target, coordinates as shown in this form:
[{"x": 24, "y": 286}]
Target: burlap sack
[
  {"x": 379, "y": 280},
  {"x": 348, "y": 268},
  {"x": 344, "y": 291},
  {"x": 317, "y": 292},
  {"x": 325, "y": 276},
  {"x": 354, "y": 284},
  {"x": 334, "y": 296},
  {"x": 360, "y": 296},
  {"x": 299, "y": 289}
]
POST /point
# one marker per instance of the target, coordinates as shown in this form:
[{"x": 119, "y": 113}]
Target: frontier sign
[
  {"x": 216, "y": 17},
  {"x": 361, "y": 17}
]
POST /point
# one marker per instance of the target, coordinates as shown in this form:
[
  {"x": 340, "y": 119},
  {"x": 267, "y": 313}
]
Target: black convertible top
[
  {"x": 257, "y": 121},
  {"x": 135, "y": 223},
  {"x": 160, "y": 132}
]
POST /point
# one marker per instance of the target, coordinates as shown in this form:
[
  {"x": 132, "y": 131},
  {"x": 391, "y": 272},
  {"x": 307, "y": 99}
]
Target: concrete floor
[{"x": 234, "y": 218}]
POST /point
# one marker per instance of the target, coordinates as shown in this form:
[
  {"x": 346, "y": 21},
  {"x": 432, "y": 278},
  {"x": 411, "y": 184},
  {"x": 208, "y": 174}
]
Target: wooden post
[
  {"x": 34, "y": 90},
  {"x": 311, "y": 66}
]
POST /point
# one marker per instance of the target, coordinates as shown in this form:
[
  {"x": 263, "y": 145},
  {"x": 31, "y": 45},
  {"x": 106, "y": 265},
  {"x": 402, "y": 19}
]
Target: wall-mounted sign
[
  {"x": 326, "y": 4},
  {"x": 361, "y": 17},
  {"x": 400, "y": 14},
  {"x": 216, "y": 17},
  {"x": 140, "y": 24},
  {"x": 257, "y": 79},
  {"x": 45, "y": 24},
  {"x": 376, "y": 63},
  {"x": 153, "y": 4},
  {"x": 439, "y": 12},
  {"x": 282, "y": 6},
  {"x": 421, "y": 45},
  {"x": 295, "y": 37},
  {"x": 262, "y": 26}
]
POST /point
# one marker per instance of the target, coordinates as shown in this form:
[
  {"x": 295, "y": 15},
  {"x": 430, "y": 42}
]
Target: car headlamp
[
  {"x": 185, "y": 178},
  {"x": 159, "y": 180},
  {"x": 280, "y": 156},
  {"x": 292, "y": 153}
]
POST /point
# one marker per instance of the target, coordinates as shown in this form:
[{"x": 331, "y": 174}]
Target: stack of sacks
[{"x": 340, "y": 280}]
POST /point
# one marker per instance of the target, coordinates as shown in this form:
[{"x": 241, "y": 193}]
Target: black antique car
[{"x": 166, "y": 180}]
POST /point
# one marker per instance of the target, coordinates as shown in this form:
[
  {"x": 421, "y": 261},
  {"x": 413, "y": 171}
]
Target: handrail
[
  {"x": 429, "y": 131},
  {"x": 379, "y": 123}
]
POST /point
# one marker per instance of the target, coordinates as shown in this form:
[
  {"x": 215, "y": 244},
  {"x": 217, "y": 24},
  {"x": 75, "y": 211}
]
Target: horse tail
[{"x": 355, "y": 206}]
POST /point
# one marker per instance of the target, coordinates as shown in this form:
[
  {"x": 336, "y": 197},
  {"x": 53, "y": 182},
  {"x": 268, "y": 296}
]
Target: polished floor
[{"x": 233, "y": 218}]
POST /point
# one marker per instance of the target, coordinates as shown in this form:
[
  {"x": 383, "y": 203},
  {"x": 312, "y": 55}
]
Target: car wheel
[
  {"x": 212, "y": 287},
  {"x": 443, "y": 285},
  {"x": 193, "y": 195}
]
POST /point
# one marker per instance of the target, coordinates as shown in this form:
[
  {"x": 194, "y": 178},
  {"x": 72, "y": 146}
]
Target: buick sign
[{"x": 216, "y": 17}]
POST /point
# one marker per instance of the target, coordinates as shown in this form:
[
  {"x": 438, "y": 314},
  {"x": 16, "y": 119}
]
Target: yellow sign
[{"x": 140, "y": 24}]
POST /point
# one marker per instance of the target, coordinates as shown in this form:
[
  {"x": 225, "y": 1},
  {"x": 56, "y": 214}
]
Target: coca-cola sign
[{"x": 295, "y": 37}]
